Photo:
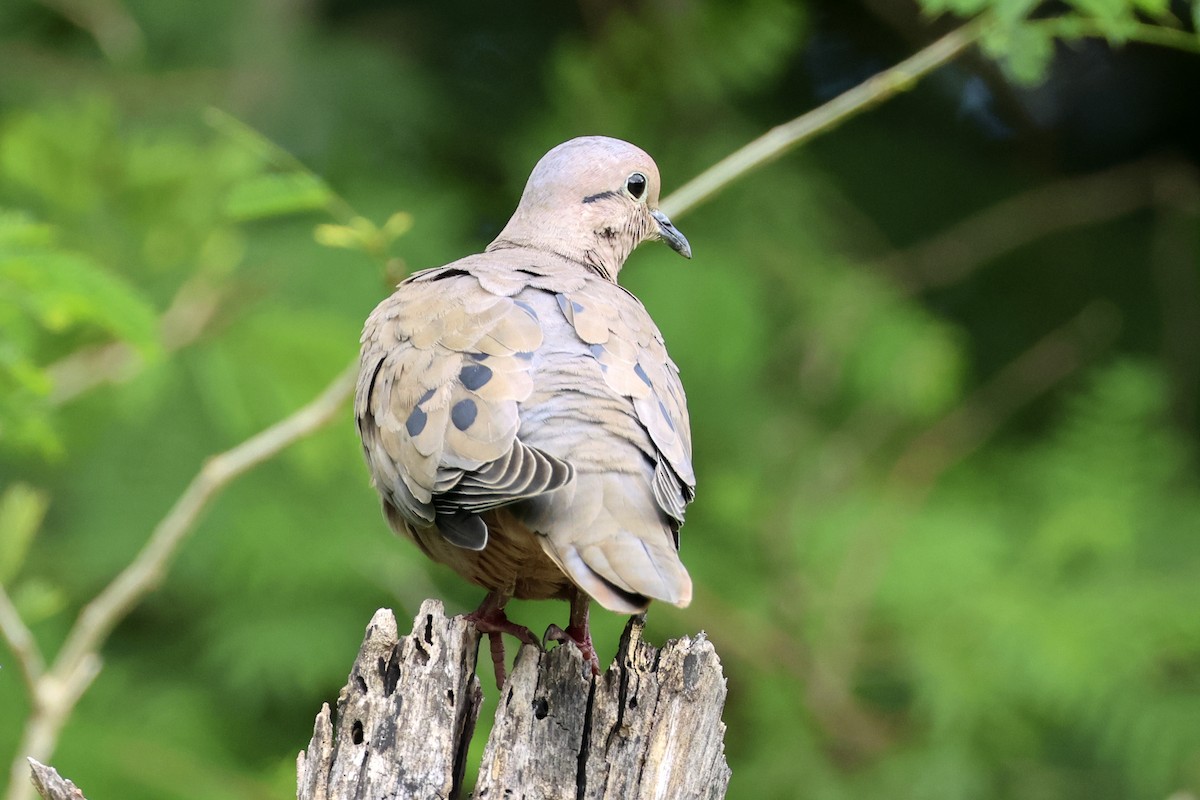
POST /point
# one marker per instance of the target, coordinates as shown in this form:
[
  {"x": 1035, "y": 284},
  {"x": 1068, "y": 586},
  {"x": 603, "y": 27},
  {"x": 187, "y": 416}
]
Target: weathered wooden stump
[{"x": 650, "y": 727}]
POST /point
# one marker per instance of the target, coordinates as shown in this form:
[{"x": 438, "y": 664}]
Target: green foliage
[
  {"x": 1021, "y": 35},
  {"x": 919, "y": 587},
  {"x": 49, "y": 294}
]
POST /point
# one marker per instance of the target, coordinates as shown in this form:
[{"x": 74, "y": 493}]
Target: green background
[{"x": 943, "y": 368}]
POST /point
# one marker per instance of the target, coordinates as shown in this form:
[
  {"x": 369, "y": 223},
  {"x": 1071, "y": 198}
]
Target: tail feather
[{"x": 615, "y": 542}]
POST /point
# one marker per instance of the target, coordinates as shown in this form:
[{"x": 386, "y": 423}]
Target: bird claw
[
  {"x": 581, "y": 639},
  {"x": 493, "y": 622}
]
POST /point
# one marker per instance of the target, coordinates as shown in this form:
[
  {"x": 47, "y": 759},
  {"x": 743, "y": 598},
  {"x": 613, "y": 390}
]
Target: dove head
[{"x": 592, "y": 200}]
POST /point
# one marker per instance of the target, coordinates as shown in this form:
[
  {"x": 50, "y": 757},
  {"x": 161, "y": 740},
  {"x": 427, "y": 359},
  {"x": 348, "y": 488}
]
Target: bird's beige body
[{"x": 519, "y": 413}]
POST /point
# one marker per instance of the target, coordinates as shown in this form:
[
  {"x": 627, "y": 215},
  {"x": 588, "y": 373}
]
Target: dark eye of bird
[{"x": 635, "y": 184}]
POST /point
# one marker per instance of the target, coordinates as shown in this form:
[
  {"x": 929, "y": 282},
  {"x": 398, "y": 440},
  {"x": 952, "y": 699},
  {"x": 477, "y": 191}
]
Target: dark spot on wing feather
[
  {"x": 463, "y": 413},
  {"x": 474, "y": 376},
  {"x": 416, "y": 421}
]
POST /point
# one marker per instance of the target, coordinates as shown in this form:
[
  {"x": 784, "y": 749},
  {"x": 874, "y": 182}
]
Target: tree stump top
[{"x": 650, "y": 727}]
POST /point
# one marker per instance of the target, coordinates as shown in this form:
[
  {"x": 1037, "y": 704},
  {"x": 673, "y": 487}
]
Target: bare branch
[
  {"x": 777, "y": 141},
  {"x": 115, "y": 31},
  {"x": 1015, "y": 222},
  {"x": 21, "y": 642},
  {"x": 1042, "y": 367}
]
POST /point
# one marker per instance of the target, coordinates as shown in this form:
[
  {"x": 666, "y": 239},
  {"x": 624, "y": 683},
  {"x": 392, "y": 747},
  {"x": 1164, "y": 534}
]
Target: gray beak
[{"x": 671, "y": 235}]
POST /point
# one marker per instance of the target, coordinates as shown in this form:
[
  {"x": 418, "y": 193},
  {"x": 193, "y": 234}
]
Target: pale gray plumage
[{"x": 518, "y": 410}]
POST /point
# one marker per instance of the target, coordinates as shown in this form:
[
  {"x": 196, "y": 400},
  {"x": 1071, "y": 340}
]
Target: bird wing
[
  {"x": 445, "y": 362},
  {"x": 633, "y": 359}
]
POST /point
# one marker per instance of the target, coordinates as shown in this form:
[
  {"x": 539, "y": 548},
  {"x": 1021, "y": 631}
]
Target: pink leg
[
  {"x": 490, "y": 618},
  {"x": 578, "y": 631}
]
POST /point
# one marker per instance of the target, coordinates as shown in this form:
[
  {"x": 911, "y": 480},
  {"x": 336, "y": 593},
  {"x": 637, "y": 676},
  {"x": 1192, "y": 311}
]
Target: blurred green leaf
[
  {"x": 65, "y": 290},
  {"x": 343, "y": 236},
  {"x": 1155, "y": 9},
  {"x": 22, "y": 508},
  {"x": 963, "y": 8},
  {"x": 38, "y": 599},
  {"x": 1024, "y": 50},
  {"x": 276, "y": 194}
]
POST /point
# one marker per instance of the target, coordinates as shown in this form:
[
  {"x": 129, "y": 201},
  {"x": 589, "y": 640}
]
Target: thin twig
[
  {"x": 1076, "y": 202},
  {"x": 21, "y": 642},
  {"x": 276, "y": 156},
  {"x": 1040, "y": 368},
  {"x": 779, "y": 140},
  {"x": 114, "y": 29}
]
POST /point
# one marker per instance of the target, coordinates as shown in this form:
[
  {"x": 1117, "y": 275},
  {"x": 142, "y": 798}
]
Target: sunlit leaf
[
  {"x": 277, "y": 194},
  {"x": 331, "y": 235},
  {"x": 38, "y": 599},
  {"x": 397, "y": 225},
  {"x": 1156, "y": 9},
  {"x": 960, "y": 7},
  {"x": 1024, "y": 51}
]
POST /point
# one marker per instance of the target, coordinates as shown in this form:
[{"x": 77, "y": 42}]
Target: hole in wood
[
  {"x": 541, "y": 708},
  {"x": 356, "y": 732},
  {"x": 391, "y": 671}
]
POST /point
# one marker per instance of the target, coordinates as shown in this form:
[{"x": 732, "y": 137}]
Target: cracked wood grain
[{"x": 650, "y": 727}]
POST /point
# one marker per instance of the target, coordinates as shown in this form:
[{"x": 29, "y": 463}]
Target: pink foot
[
  {"x": 578, "y": 631},
  {"x": 490, "y": 618}
]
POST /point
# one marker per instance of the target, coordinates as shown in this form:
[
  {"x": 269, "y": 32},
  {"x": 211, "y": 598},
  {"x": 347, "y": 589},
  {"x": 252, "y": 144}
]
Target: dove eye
[{"x": 635, "y": 184}]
